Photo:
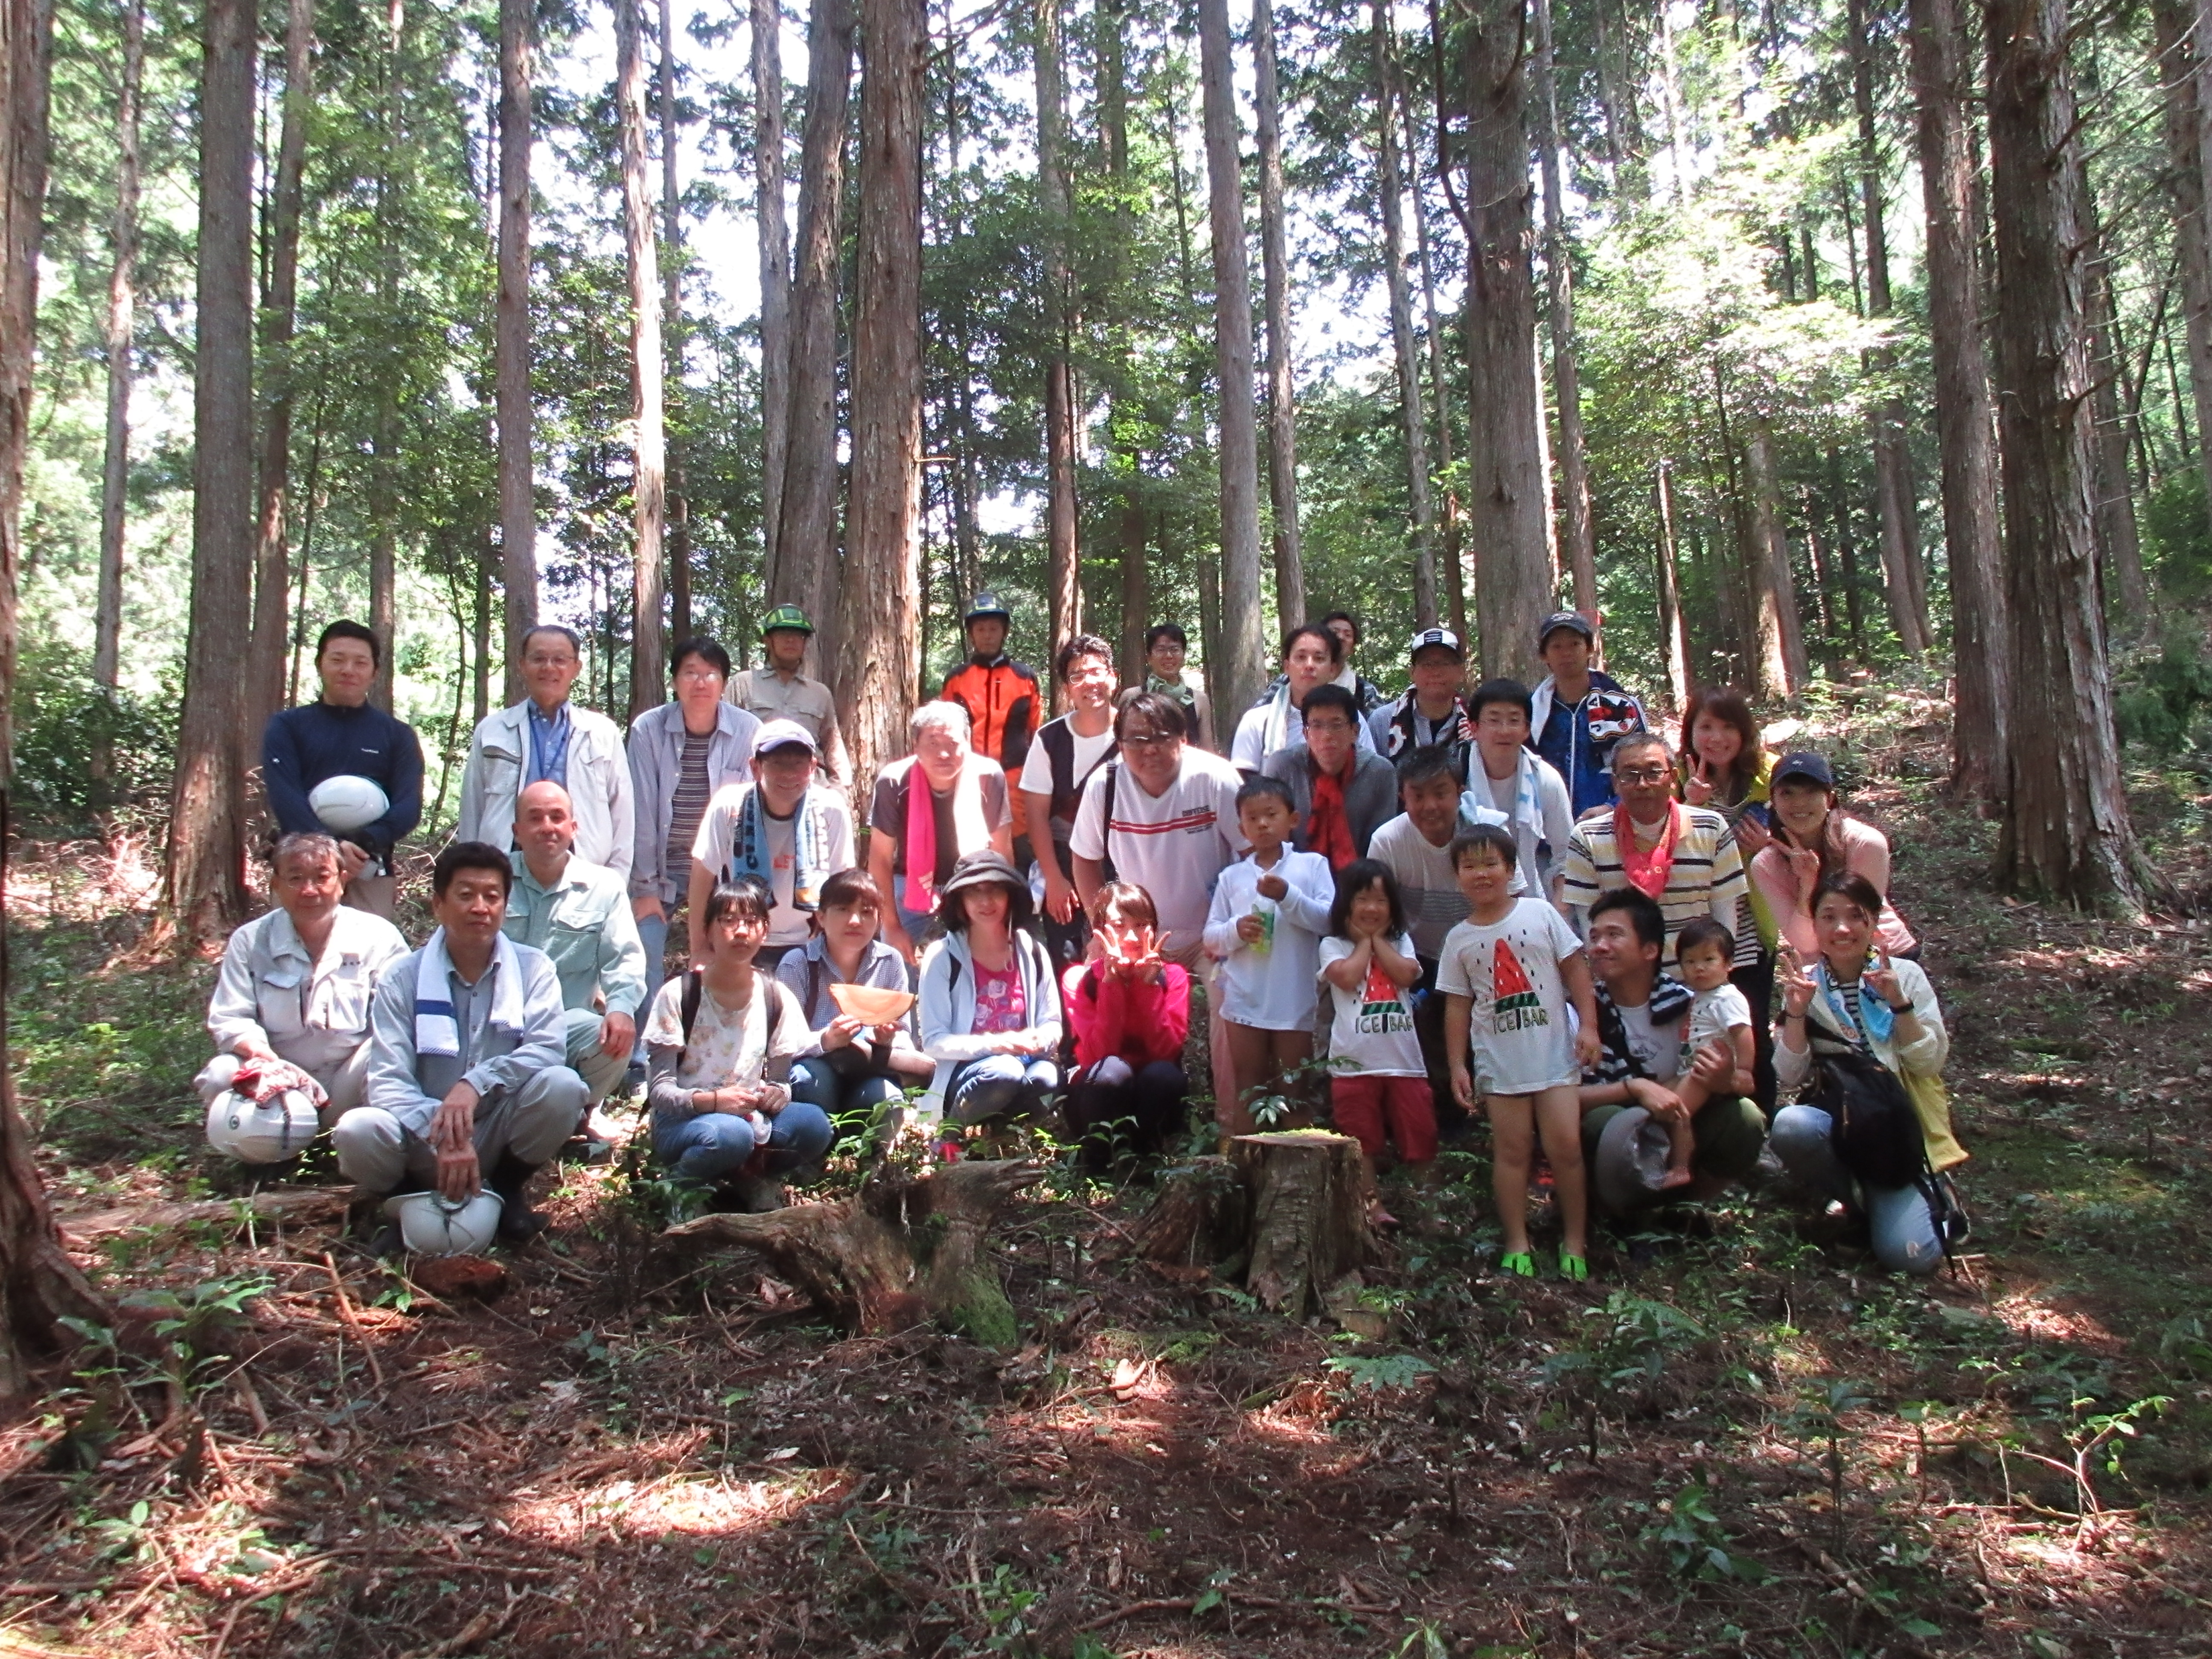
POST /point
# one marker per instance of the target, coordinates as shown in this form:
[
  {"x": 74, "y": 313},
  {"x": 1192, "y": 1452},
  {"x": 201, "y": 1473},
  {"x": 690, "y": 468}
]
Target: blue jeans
[
  {"x": 999, "y": 1085},
  {"x": 816, "y": 1083},
  {"x": 1904, "y": 1232},
  {"x": 716, "y": 1146},
  {"x": 653, "y": 932}
]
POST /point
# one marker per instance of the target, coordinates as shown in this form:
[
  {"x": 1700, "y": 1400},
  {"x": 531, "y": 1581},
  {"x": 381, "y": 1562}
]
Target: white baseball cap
[{"x": 1443, "y": 636}]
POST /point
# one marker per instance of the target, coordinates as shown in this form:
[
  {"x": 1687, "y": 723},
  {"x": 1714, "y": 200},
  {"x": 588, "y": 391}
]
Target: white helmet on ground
[
  {"x": 278, "y": 1129},
  {"x": 432, "y": 1225},
  {"x": 347, "y": 803}
]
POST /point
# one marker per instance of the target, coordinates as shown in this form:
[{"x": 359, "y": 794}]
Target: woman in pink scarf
[{"x": 919, "y": 834}]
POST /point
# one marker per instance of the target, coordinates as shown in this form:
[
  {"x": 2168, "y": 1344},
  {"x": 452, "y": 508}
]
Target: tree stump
[
  {"x": 1198, "y": 1219},
  {"x": 905, "y": 1249},
  {"x": 1308, "y": 1220}
]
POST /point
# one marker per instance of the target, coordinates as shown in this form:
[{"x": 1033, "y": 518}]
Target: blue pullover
[{"x": 303, "y": 746}]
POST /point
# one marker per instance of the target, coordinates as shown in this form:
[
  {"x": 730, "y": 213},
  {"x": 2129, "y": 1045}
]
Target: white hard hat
[
  {"x": 431, "y": 1224},
  {"x": 279, "y": 1127},
  {"x": 347, "y": 803}
]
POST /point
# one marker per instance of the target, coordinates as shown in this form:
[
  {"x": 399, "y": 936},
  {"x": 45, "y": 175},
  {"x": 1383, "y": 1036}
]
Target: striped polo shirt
[{"x": 1707, "y": 879}]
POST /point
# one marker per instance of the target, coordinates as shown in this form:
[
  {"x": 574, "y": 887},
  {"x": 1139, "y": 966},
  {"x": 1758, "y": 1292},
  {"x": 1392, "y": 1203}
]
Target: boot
[{"x": 517, "y": 1223}]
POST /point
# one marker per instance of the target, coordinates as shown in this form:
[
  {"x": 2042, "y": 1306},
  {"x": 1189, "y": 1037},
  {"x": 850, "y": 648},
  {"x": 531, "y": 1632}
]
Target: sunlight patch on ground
[
  {"x": 2038, "y": 1322},
  {"x": 719, "y": 1504}
]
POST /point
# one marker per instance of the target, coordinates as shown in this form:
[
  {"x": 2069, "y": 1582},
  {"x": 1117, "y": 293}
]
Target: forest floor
[{"x": 1738, "y": 1438}]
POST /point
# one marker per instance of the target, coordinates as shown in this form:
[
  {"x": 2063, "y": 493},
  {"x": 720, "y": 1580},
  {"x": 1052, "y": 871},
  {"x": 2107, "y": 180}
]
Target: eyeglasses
[
  {"x": 1148, "y": 740},
  {"x": 1639, "y": 774},
  {"x": 1329, "y": 728}
]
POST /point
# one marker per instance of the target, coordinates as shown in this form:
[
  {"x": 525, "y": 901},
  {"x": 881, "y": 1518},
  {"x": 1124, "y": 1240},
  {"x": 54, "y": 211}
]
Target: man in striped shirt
[{"x": 1685, "y": 857}]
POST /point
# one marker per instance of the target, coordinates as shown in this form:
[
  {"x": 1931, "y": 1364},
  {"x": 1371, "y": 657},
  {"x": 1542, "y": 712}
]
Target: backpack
[
  {"x": 1877, "y": 1134},
  {"x": 694, "y": 988}
]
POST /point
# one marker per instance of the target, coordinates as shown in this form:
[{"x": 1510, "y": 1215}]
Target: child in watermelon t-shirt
[
  {"x": 1506, "y": 973},
  {"x": 1376, "y": 1077}
]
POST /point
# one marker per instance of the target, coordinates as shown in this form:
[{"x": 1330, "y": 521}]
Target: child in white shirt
[
  {"x": 1704, "y": 952},
  {"x": 1264, "y": 927},
  {"x": 1378, "y": 1084}
]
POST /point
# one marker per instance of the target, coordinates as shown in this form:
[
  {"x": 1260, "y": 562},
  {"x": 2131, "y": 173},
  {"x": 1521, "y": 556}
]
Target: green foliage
[
  {"x": 2177, "y": 533},
  {"x": 1374, "y": 1373},
  {"x": 62, "y": 717},
  {"x": 2158, "y": 697},
  {"x": 1695, "y": 1542}
]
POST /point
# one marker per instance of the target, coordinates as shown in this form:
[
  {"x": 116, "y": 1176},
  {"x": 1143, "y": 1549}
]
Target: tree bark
[
  {"x": 1064, "y": 593},
  {"x": 904, "y": 1248},
  {"x": 2066, "y": 833},
  {"x": 1241, "y": 674},
  {"x": 1275, "y": 275},
  {"x": 2184, "y": 76},
  {"x": 1507, "y": 508},
  {"x": 205, "y": 872},
  {"x": 648, "y": 678},
  {"x": 876, "y": 664},
  {"x": 1576, "y": 529},
  {"x": 1414, "y": 422},
  {"x": 2119, "y": 540},
  {"x": 774, "y": 279},
  {"x": 122, "y": 307},
  {"x": 671, "y": 316},
  {"x": 1777, "y": 669},
  {"x": 1114, "y": 115},
  {"x": 383, "y": 437},
  {"x": 1674, "y": 646},
  {"x": 1964, "y": 419},
  {"x": 1439, "y": 384},
  {"x": 38, "y": 1284},
  {"x": 1904, "y": 582},
  {"x": 273, "y": 559},
  {"x": 1309, "y": 1225},
  {"x": 806, "y": 566},
  {"x": 517, "y": 506}
]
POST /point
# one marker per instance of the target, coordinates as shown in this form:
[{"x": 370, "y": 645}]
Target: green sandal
[
  {"x": 1574, "y": 1269},
  {"x": 1520, "y": 1262}
]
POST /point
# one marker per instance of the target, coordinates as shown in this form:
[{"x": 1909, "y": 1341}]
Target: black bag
[{"x": 1877, "y": 1134}]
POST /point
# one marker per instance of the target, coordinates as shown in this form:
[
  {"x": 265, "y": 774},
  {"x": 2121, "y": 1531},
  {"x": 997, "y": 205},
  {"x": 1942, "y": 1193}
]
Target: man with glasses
[
  {"x": 546, "y": 739},
  {"x": 1684, "y": 857}
]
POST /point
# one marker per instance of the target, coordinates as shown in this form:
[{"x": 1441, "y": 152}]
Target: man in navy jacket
[{"x": 342, "y": 734}]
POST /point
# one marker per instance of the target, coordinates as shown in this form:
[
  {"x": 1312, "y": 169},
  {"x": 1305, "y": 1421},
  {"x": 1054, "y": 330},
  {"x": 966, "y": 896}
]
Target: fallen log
[
  {"x": 903, "y": 1249},
  {"x": 291, "y": 1205}
]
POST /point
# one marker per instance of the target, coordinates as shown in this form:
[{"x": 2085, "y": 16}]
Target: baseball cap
[
  {"x": 987, "y": 605},
  {"x": 1804, "y": 763},
  {"x": 1443, "y": 636},
  {"x": 785, "y": 616},
  {"x": 782, "y": 734},
  {"x": 1559, "y": 619}
]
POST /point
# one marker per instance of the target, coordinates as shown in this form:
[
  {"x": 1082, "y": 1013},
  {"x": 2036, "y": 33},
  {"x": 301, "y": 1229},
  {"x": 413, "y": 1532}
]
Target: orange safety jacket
[{"x": 1002, "y": 698}]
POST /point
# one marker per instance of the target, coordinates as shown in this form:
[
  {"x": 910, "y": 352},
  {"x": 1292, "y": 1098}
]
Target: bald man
[{"x": 579, "y": 914}]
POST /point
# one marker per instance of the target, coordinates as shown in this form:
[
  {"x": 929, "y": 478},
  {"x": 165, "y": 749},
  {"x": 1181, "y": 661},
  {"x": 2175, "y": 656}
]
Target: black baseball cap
[
  {"x": 1804, "y": 763},
  {"x": 1559, "y": 619}
]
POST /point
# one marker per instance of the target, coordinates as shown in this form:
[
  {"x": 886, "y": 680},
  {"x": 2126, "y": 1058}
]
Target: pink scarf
[
  {"x": 970, "y": 832},
  {"x": 1647, "y": 873}
]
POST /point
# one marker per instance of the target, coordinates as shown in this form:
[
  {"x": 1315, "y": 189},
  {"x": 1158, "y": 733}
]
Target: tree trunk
[
  {"x": 1114, "y": 116},
  {"x": 806, "y": 534},
  {"x": 1064, "y": 593},
  {"x": 480, "y": 698},
  {"x": 1414, "y": 422},
  {"x": 648, "y": 678},
  {"x": 1239, "y": 677},
  {"x": 38, "y": 1284},
  {"x": 2118, "y": 541},
  {"x": 1201, "y": 1219},
  {"x": 273, "y": 558},
  {"x": 2066, "y": 833},
  {"x": 876, "y": 664},
  {"x": 774, "y": 280},
  {"x": 518, "y": 507},
  {"x": 1904, "y": 582},
  {"x": 1275, "y": 273},
  {"x": 1576, "y": 529},
  {"x": 383, "y": 437},
  {"x": 122, "y": 305},
  {"x": 672, "y": 316},
  {"x": 1777, "y": 670},
  {"x": 1309, "y": 1225},
  {"x": 206, "y": 874},
  {"x": 1439, "y": 384},
  {"x": 904, "y": 1248},
  {"x": 1507, "y": 508},
  {"x": 2184, "y": 76},
  {"x": 1673, "y": 647},
  {"x": 1964, "y": 422}
]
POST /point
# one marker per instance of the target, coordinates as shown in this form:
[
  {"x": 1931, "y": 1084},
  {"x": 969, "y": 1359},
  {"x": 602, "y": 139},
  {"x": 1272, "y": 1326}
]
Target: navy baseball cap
[
  {"x": 1559, "y": 619},
  {"x": 1804, "y": 763}
]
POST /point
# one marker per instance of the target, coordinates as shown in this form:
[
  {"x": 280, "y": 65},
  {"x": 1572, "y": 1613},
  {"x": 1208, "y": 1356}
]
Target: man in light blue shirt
[
  {"x": 579, "y": 914},
  {"x": 467, "y": 1084}
]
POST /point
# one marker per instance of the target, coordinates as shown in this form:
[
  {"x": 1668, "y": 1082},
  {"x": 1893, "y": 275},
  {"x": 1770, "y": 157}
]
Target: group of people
[{"x": 1406, "y": 913}]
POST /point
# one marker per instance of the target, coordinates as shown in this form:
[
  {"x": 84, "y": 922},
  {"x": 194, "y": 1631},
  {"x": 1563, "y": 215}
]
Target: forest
[{"x": 1856, "y": 355}]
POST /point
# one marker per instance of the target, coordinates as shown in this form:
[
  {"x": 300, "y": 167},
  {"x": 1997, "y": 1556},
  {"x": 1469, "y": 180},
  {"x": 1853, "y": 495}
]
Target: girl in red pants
[{"x": 1378, "y": 1086}]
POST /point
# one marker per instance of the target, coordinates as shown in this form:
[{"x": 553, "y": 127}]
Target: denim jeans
[
  {"x": 1113, "y": 1099},
  {"x": 1904, "y": 1231},
  {"x": 716, "y": 1146},
  {"x": 1000, "y": 1086},
  {"x": 653, "y": 932},
  {"x": 816, "y": 1083}
]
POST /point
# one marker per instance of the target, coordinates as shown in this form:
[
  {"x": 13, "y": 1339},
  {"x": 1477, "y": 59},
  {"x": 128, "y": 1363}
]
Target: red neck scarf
[
  {"x": 1647, "y": 873},
  {"x": 1328, "y": 832}
]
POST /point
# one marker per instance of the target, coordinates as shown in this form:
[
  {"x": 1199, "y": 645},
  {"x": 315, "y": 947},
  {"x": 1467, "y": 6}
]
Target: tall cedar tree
[
  {"x": 206, "y": 863},
  {"x": 1965, "y": 433},
  {"x": 775, "y": 275},
  {"x": 1064, "y": 592},
  {"x": 38, "y": 1284},
  {"x": 1390, "y": 195},
  {"x": 876, "y": 660},
  {"x": 671, "y": 322},
  {"x": 649, "y": 446},
  {"x": 518, "y": 504},
  {"x": 1275, "y": 284},
  {"x": 122, "y": 310},
  {"x": 2066, "y": 834},
  {"x": 1577, "y": 535}
]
